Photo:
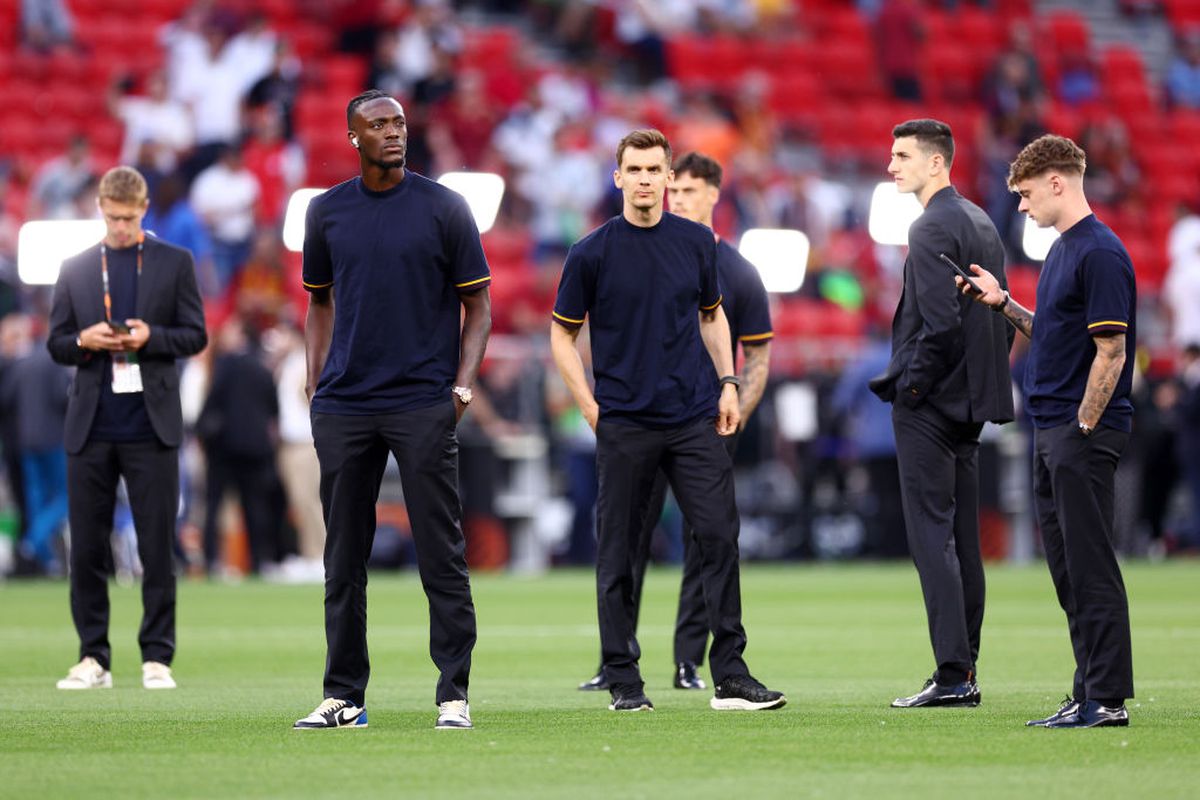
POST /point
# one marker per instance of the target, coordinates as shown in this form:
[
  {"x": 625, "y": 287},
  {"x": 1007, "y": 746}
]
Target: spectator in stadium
[
  {"x": 41, "y": 387},
  {"x": 276, "y": 163},
  {"x": 1113, "y": 175},
  {"x": 238, "y": 427},
  {"x": 1189, "y": 436},
  {"x": 225, "y": 196},
  {"x": 123, "y": 332},
  {"x": 390, "y": 368},
  {"x": 55, "y": 186},
  {"x": 1183, "y": 73},
  {"x": 1181, "y": 289},
  {"x": 1077, "y": 391},
  {"x": 172, "y": 219},
  {"x": 153, "y": 117},
  {"x": 655, "y": 345},
  {"x": 46, "y": 24},
  {"x": 16, "y": 338},
  {"x": 461, "y": 126},
  {"x": 276, "y": 92},
  {"x": 693, "y": 194},
  {"x": 947, "y": 376},
  {"x": 899, "y": 35}
]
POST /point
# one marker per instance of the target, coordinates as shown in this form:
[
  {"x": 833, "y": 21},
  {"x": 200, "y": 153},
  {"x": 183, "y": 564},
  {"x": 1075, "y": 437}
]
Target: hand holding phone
[
  {"x": 118, "y": 327},
  {"x": 962, "y": 273}
]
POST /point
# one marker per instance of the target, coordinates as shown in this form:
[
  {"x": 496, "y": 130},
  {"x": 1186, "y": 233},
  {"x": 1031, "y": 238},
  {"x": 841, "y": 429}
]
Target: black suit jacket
[
  {"x": 948, "y": 350},
  {"x": 168, "y": 300}
]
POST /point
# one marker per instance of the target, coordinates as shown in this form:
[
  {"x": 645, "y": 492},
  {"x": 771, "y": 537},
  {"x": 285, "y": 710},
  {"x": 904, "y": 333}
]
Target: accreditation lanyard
[
  {"x": 126, "y": 372},
  {"x": 104, "y": 273}
]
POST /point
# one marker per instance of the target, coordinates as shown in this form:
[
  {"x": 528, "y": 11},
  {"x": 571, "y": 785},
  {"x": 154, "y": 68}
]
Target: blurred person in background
[
  {"x": 1183, "y": 72},
  {"x": 152, "y": 117},
  {"x": 172, "y": 219},
  {"x": 123, "y": 328},
  {"x": 40, "y": 386},
  {"x": 238, "y": 428},
  {"x": 1189, "y": 436},
  {"x": 1181, "y": 289},
  {"x": 46, "y": 24},
  {"x": 16, "y": 338},
  {"x": 56, "y": 184},
  {"x": 948, "y": 375},
  {"x": 225, "y": 196}
]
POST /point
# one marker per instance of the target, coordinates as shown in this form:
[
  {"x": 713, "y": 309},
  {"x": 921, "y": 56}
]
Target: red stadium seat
[
  {"x": 1068, "y": 31},
  {"x": 1183, "y": 13}
]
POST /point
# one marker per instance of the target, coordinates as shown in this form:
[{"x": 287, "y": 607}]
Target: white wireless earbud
[{"x": 354, "y": 141}]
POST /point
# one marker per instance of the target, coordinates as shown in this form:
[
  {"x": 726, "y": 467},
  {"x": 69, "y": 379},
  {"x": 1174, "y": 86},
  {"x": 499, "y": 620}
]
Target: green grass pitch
[{"x": 840, "y": 640}]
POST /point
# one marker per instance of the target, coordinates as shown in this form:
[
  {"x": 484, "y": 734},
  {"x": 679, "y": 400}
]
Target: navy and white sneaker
[
  {"x": 743, "y": 693},
  {"x": 333, "y": 713},
  {"x": 454, "y": 715}
]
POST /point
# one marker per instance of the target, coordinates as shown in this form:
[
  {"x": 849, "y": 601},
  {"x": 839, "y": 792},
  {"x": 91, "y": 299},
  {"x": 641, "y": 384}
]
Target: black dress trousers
[
  {"x": 151, "y": 472},
  {"x": 697, "y": 464},
  {"x": 939, "y": 479},
  {"x": 1073, "y": 483},
  {"x": 353, "y": 453}
]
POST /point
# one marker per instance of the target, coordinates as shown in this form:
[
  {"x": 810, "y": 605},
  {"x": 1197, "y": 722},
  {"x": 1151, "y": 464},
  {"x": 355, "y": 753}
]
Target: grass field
[{"x": 841, "y": 640}]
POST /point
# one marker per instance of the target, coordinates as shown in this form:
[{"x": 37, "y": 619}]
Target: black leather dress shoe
[
  {"x": 686, "y": 676},
  {"x": 1090, "y": 714},
  {"x": 935, "y": 694},
  {"x": 1069, "y": 706},
  {"x": 597, "y": 683}
]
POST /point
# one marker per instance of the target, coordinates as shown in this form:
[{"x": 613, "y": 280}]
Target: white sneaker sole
[
  {"x": 156, "y": 685},
  {"x": 454, "y": 727},
  {"x": 738, "y": 704},
  {"x": 338, "y": 728},
  {"x": 75, "y": 686}
]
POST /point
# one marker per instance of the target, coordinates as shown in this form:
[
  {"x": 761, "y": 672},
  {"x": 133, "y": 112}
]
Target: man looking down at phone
[
  {"x": 1077, "y": 385},
  {"x": 947, "y": 376},
  {"x": 123, "y": 311}
]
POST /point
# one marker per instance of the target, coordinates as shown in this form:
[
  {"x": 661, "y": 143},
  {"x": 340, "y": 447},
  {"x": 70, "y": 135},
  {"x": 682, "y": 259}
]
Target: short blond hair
[
  {"x": 1044, "y": 154},
  {"x": 123, "y": 185}
]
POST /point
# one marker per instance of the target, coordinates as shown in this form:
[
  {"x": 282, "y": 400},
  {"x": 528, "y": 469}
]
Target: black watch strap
[{"x": 733, "y": 379}]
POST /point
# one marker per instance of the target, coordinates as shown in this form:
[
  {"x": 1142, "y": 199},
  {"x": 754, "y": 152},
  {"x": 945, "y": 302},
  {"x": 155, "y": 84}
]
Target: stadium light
[
  {"x": 483, "y": 192},
  {"x": 293, "y": 218},
  {"x": 1036, "y": 241},
  {"x": 43, "y": 244},
  {"x": 779, "y": 254},
  {"x": 892, "y": 213}
]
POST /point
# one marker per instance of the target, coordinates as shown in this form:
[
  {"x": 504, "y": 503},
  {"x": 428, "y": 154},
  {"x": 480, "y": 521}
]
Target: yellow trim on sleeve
[
  {"x": 317, "y": 285},
  {"x": 472, "y": 283},
  {"x": 557, "y": 315},
  {"x": 757, "y": 337},
  {"x": 714, "y": 305},
  {"x": 1108, "y": 322}
]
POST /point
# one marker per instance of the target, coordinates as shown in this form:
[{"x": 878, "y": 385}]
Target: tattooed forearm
[
  {"x": 754, "y": 377},
  {"x": 1020, "y": 317},
  {"x": 1103, "y": 377}
]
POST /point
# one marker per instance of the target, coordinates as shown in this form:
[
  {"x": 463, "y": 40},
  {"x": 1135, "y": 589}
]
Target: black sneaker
[
  {"x": 1068, "y": 706},
  {"x": 686, "y": 676},
  {"x": 629, "y": 697},
  {"x": 597, "y": 683},
  {"x": 1090, "y": 714},
  {"x": 743, "y": 693}
]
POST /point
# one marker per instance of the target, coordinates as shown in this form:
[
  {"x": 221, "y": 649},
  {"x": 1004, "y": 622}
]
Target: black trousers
[
  {"x": 1073, "y": 498},
  {"x": 353, "y": 453},
  {"x": 255, "y": 480},
  {"x": 697, "y": 464},
  {"x": 151, "y": 472},
  {"x": 939, "y": 482},
  {"x": 691, "y": 618}
]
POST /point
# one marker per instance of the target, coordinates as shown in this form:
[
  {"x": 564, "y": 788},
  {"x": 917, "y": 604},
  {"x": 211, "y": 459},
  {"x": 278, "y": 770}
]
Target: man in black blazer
[
  {"x": 947, "y": 376},
  {"x": 124, "y": 310}
]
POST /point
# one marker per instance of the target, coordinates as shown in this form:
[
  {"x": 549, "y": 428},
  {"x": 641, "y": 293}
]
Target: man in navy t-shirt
[
  {"x": 390, "y": 259},
  {"x": 1077, "y": 386},
  {"x": 647, "y": 284},
  {"x": 693, "y": 194}
]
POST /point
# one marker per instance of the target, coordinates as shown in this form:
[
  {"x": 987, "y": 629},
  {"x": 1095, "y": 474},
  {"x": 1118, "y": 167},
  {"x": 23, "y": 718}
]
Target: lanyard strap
[{"x": 104, "y": 274}]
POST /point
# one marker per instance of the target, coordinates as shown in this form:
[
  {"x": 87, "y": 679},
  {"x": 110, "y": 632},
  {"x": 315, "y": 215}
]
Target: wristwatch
[
  {"x": 731, "y": 379},
  {"x": 463, "y": 393},
  {"x": 1004, "y": 303},
  {"x": 1085, "y": 429}
]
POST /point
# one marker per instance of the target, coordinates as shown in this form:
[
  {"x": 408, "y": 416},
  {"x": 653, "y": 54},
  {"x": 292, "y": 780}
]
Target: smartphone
[
  {"x": 118, "y": 327},
  {"x": 967, "y": 278}
]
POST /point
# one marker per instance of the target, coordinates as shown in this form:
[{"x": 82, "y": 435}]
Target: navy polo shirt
[
  {"x": 746, "y": 305},
  {"x": 642, "y": 289},
  {"x": 121, "y": 417},
  {"x": 397, "y": 261},
  {"x": 1086, "y": 287}
]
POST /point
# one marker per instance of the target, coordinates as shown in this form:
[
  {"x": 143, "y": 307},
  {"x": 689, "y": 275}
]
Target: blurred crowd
[{"x": 238, "y": 111}]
